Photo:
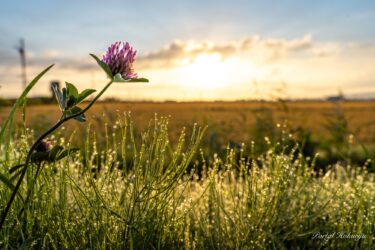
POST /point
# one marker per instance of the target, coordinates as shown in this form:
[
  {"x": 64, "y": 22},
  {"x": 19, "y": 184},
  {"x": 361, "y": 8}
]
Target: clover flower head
[{"x": 120, "y": 57}]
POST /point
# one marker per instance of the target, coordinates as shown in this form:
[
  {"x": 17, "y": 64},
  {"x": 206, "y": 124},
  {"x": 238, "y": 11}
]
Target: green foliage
[
  {"x": 118, "y": 78},
  {"x": 76, "y": 110},
  {"x": 126, "y": 193},
  {"x": 103, "y": 66},
  {"x": 69, "y": 98},
  {"x": 85, "y": 93},
  {"x": 59, "y": 96},
  {"x": 57, "y": 153},
  {"x": 140, "y": 79},
  {"x": 8, "y": 183},
  {"x": 72, "y": 95}
]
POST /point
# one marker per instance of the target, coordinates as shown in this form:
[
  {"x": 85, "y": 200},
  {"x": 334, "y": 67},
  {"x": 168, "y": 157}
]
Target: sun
[{"x": 207, "y": 71}]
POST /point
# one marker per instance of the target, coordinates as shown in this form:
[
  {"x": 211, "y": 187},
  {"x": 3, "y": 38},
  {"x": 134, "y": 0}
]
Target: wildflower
[{"x": 120, "y": 57}]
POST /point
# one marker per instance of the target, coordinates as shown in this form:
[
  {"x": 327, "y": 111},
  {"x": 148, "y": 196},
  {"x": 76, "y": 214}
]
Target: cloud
[
  {"x": 170, "y": 54},
  {"x": 255, "y": 48},
  {"x": 8, "y": 58},
  {"x": 264, "y": 50},
  {"x": 45, "y": 58},
  {"x": 51, "y": 53},
  {"x": 294, "y": 45}
]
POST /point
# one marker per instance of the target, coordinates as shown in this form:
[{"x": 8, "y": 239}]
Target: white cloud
[{"x": 51, "y": 53}]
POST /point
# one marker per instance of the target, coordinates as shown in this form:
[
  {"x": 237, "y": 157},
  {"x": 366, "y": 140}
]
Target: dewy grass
[
  {"x": 148, "y": 194},
  {"x": 117, "y": 64}
]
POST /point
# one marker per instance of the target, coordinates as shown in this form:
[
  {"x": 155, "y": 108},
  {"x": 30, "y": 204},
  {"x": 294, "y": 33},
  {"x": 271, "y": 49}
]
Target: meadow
[
  {"x": 336, "y": 131},
  {"x": 235, "y": 119},
  {"x": 196, "y": 176}
]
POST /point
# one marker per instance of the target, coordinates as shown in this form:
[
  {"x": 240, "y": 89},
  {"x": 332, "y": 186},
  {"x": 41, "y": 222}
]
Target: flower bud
[{"x": 43, "y": 146}]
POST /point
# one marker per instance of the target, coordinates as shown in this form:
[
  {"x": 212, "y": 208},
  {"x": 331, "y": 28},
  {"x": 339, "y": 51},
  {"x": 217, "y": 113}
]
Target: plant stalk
[{"x": 33, "y": 147}]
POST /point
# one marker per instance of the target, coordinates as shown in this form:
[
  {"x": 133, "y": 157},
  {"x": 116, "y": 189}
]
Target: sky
[{"x": 196, "y": 50}]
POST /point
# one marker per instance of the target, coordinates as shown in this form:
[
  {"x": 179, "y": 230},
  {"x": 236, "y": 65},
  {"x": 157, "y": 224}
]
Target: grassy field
[
  {"x": 147, "y": 185},
  {"x": 232, "y": 120},
  {"x": 336, "y": 131}
]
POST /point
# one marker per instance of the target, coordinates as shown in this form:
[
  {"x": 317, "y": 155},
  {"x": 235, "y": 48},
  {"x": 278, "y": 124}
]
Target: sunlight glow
[{"x": 207, "y": 71}]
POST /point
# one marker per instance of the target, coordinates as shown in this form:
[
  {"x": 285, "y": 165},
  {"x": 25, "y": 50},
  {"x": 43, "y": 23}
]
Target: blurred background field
[
  {"x": 232, "y": 120},
  {"x": 336, "y": 130}
]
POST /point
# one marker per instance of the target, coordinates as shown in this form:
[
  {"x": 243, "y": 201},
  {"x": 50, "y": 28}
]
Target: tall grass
[{"x": 140, "y": 191}]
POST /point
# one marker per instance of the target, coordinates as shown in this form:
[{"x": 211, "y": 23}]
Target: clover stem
[{"x": 33, "y": 147}]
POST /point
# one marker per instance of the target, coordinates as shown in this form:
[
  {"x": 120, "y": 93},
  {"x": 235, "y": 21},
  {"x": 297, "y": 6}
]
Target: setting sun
[{"x": 207, "y": 71}]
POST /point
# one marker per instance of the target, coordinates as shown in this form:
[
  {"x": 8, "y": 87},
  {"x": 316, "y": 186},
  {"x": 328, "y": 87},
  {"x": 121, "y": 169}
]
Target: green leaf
[
  {"x": 66, "y": 152},
  {"x": 84, "y": 94},
  {"x": 15, "y": 168},
  {"x": 72, "y": 90},
  {"x": 80, "y": 118},
  {"x": 58, "y": 94},
  {"x": 20, "y": 101},
  {"x": 75, "y": 110},
  {"x": 103, "y": 65},
  {"x": 118, "y": 78},
  {"x": 54, "y": 152},
  {"x": 72, "y": 94},
  {"x": 6, "y": 181},
  {"x": 9, "y": 184},
  {"x": 138, "y": 80},
  {"x": 40, "y": 156},
  {"x": 15, "y": 175},
  {"x": 64, "y": 98}
]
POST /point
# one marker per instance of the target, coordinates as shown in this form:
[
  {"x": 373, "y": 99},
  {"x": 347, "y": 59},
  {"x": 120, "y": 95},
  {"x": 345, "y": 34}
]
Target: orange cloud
[{"x": 255, "y": 47}]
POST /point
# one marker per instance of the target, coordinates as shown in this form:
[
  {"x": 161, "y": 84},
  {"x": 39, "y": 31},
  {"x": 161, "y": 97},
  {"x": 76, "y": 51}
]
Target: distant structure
[
  {"x": 22, "y": 51},
  {"x": 50, "y": 87},
  {"x": 336, "y": 98}
]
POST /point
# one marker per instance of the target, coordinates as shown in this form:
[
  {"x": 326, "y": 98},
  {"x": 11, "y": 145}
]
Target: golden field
[{"x": 230, "y": 120}]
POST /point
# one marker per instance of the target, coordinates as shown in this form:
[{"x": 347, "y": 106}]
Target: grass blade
[{"x": 20, "y": 101}]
